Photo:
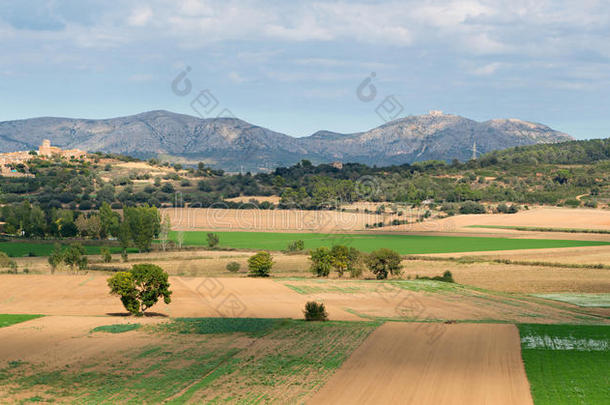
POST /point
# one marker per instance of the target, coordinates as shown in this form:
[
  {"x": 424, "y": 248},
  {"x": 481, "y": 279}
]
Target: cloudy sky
[{"x": 296, "y": 67}]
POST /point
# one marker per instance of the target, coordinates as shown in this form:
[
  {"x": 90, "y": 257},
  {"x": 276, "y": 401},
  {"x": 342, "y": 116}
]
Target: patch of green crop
[
  {"x": 11, "y": 319},
  {"x": 567, "y": 364},
  {"x": 403, "y": 244},
  {"x": 118, "y": 328},
  {"x": 209, "y": 326}
]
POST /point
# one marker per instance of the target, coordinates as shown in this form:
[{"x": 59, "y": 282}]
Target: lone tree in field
[
  {"x": 213, "y": 240},
  {"x": 74, "y": 257},
  {"x": 260, "y": 264},
  {"x": 141, "y": 287},
  {"x": 321, "y": 261},
  {"x": 383, "y": 262}
]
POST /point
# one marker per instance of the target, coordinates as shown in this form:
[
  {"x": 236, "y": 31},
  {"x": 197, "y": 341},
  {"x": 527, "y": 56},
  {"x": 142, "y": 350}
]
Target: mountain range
[{"x": 234, "y": 145}]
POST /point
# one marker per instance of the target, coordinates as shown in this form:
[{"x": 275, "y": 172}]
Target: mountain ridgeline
[{"x": 234, "y": 145}]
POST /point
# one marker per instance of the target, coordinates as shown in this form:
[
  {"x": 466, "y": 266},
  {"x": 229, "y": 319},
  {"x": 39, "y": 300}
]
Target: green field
[
  {"x": 567, "y": 364},
  {"x": 11, "y": 319},
  {"x": 403, "y": 244},
  {"x": 22, "y": 249}
]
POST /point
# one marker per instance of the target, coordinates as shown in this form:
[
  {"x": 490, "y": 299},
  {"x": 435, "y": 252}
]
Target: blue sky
[{"x": 295, "y": 66}]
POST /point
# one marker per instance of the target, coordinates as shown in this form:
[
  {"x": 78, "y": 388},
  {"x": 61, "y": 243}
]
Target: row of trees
[
  {"x": 342, "y": 259},
  {"x": 138, "y": 226}
]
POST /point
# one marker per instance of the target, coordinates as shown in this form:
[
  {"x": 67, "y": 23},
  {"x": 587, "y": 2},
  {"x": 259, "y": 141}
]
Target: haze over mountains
[{"x": 233, "y": 144}]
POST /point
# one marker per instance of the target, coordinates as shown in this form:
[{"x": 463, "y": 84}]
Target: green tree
[
  {"x": 382, "y": 262},
  {"x": 56, "y": 257},
  {"x": 109, "y": 220},
  {"x": 124, "y": 236},
  {"x": 144, "y": 225},
  {"x": 354, "y": 262},
  {"x": 75, "y": 257},
  {"x": 213, "y": 240},
  {"x": 321, "y": 261},
  {"x": 340, "y": 258},
  {"x": 260, "y": 264},
  {"x": 141, "y": 287},
  {"x": 106, "y": 255}
]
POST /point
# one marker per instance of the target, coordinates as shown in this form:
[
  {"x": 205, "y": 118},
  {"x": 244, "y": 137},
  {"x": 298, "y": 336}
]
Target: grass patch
[
  {"x": 567, "y": 364},
  {"x": 541, "y": 229},
  {"x": 209, "y": 326},
  {"x": 580, "y": 299},
  {"x": 403, "y": 244},
  {"x": 119, "y": 328},
  {"x": 11, "y": 319}
]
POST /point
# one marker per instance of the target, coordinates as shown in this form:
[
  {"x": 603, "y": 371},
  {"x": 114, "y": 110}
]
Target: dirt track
[{"x": 403, "y": 363}]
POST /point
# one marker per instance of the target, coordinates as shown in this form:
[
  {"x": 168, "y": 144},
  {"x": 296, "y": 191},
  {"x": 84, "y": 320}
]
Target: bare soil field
[
  {"x": 87, "y": 295},
  {"x": 549, "y": 217},
  {"x": 270, "y": 220},
  {"x": 574, "y": 255},
  {"x": 459, "y": 364}
]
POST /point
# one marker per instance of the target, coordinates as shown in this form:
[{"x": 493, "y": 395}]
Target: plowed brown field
[{"x": 404, "y": 364}]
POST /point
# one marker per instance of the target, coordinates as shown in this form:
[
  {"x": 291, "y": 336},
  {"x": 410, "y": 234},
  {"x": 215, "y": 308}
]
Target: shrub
[
  {"x": 471, "y": 207},
  {"x": 233, "y": 267},
  {"x": 382, "y": 262},
  {"x": 213, "y": 240},
  {"x": 321, "y": 261},
  {"x": 141, "y": 287},
  {"x": 260, "y": 264},
  {"x": 572, "y": 203},
  {"x": 315, "y": 311},
  {"x": 106, "y": 255},
  {"x": 296, "y": 246},
  {"x": 5, "y": 261}
]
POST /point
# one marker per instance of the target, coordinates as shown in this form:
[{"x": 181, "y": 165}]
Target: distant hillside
[{"x": 233, "y": 144}]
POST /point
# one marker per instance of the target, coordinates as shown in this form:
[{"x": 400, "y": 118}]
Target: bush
[
  {"x": 505, "y": 209},
  {"x": 106, "y": 255},
  {"x": 471, "y": 207},
  {"x": 233, "y": 267},
  {"x": 296, "y": 246},
  {"x": 213, "y": 240},
  {"x": 447, "y": 277},
  {"x": 141, "y": 287},
  {"x": 382, "y": 262},
  {"x": 5, "y": 261},
  {"x": 572, "y": 203},
  {"x": 315, "y": 311},
  {"x": 260, "y": 264}
]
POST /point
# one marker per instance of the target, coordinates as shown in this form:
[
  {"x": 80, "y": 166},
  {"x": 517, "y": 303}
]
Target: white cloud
[
  {"x": 487, "y": 69},
  {"x": 140, "y": 17},
  {"x": 236, "y": 77}
]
